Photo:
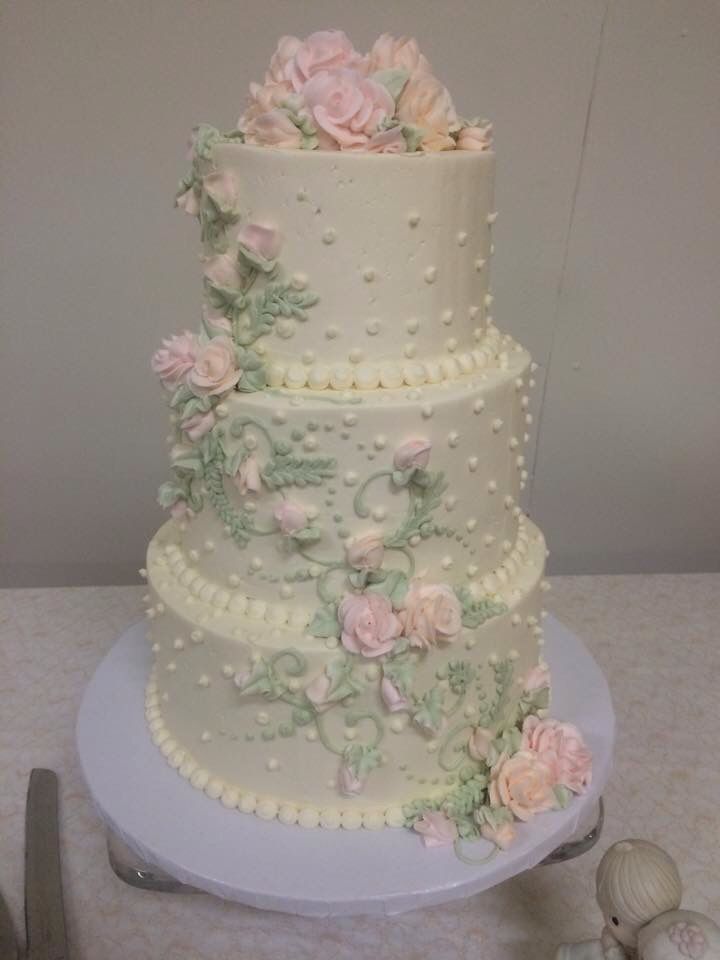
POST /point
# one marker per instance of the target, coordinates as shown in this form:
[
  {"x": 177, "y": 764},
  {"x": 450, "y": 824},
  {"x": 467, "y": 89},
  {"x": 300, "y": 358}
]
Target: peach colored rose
[
  {"x": 523, "y": 783},
  {"x": 432, "y": 614},
  {"x": 436, "y": 829},
  {"x": 479, "y": 743},
  {"x": 261, "y": 242},
  {"x": 348, "y": 784},
  {"x": 273, "y": 129},
  {"x": 503, "y": 835},
  {"x": 198, "y": 425},
  {"x": 188, "y": 202},
  {"x": 324, "y": 50},
  {"x": 415, "y": 454},
  {"x": 222, "y": 271},
  {"x": 347, "y": 107},
  {"x": 475, "y": 138},
  {"x": 392, "y": 698},
  {"x": 401, "y": 53},
  {"x": 366, "y": 553},
  {"x": 425, "y": 103},
  {"x": 387, "y": 141},
  {"x": 287, "y": 47},
  {"x": 175, "y": 358},
  {"x": 215, "y": 368},
  {"x": 290, "y": 516},
  {"x": 248, "y": 479},
  {"x": 222, "y": 188},
  {"x": 537, "y": 679},
  {"x": 562, "y": 749},
  {"x": 317, "y": 692},
  {"x": 369, "y": 626}
]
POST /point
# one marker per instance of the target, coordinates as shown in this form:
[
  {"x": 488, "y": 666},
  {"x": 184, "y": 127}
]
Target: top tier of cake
[{"x": 394, "y": 248}]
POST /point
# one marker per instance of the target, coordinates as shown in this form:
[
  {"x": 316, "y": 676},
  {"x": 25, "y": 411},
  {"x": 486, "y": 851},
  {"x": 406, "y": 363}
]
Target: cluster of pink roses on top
[{"x": 320, "y": 92}]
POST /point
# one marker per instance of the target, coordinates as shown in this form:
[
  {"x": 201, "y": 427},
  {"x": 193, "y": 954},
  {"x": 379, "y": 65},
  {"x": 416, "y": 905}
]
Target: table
[{"x": 656, "y": 637}]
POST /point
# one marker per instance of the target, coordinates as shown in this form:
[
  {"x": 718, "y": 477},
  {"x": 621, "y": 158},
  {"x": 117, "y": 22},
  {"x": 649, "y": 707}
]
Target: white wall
[{"x": 608, "y": 127}]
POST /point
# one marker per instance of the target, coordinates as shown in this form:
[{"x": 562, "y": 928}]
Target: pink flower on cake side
[
  {"x": 290, "y": 517},
  {"x": 222, "y": 271},
  {"x": 562, "y": 749},
  {"x": 432, "y": 614},
  {"x": 260, "y": 243},
  {"x": 479, "y": 743},
  {"x": 222, "y": 188},
  {"x": 273, "y": 129},
  {"x": 180, "y": 510},
  {"x": 425, "y": 103},
  {"x": 436, "y": 829},
  {"x": 523, "y": 783},
  {"x": 537, "y": 679},
  {"x": 346, "y": 107},
  {"x": 369, "y": 626},
  {"x": 401, "y": 53},
  {"x": 198, "y": 425},
  {"x": 317, "y": 691},
  {"x": 248, "y": 479},
  {"x": 215, "y": 369},
  {"x": 392, "y": 697},
  {"x": 503, "y": 835},
  {"x": 689, "y": 939},
  {"x": 286, "y": 49},
  {"x": 366, "y": 553},
  {"x": 175, "y": 358},
  {"x": 414, "y": 454},
  {"x": 323, "y": 50},
  {"x": 475, "y": 138}
]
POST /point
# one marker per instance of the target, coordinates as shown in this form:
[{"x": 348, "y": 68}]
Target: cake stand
[{"x": 165, "y": 835}]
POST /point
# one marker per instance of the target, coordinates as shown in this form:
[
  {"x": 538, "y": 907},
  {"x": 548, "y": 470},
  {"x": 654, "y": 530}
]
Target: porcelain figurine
[{"x": 639, "y": 891}]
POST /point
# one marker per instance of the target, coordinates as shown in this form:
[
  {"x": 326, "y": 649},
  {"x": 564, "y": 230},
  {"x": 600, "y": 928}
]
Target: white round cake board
[{"x": 317, "y": 872}]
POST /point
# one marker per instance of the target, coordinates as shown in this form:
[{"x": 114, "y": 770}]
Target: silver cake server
[{"x": 44, "y": 913}]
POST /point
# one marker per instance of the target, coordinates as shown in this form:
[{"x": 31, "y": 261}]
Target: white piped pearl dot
[
  {"x": 453, "y": 438},
  {"x": 412, "y": 325},
  {"x": 446, "y": 563},
  {"x": 497, "y": 425},
  {"x": 462, "y": 238},
  {"x": 350, "y": 478},
  {"x": 427, "y": 411},
  {"x": 332, "y": 333},
  {"x": 329, "y": 236},
  {"x": 379, "y": 514},
  {"x": 356, "y": 355},
  {"x": 472, "y": 464},
  {"x": 413, "y": 218},
  {"x": 256, "y": 563},
  {"x": 272, "y": 764},
  {"x": 372, "y": 326},
  {"x": 430, "y": 275},
  {"x": 368, "y": 274}
]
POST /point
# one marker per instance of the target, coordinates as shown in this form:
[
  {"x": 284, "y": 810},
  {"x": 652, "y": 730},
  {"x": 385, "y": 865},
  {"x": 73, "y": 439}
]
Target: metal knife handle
[{"x": 44, "y": 914}]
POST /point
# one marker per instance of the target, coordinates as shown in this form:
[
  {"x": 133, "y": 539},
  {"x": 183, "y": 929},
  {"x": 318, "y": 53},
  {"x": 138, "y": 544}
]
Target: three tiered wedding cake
[{"x": 345, "y": 605}]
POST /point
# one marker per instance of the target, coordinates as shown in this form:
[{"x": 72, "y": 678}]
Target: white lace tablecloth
[{"x": 656, "y": 637}]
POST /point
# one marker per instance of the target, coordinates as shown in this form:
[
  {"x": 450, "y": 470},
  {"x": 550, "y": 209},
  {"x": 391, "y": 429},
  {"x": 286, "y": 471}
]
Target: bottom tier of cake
[{"x": 283, "y": 724}]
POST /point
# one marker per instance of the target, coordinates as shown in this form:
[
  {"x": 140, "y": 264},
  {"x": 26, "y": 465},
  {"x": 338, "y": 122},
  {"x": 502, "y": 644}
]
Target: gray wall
[{"x": 607, "y": 120}]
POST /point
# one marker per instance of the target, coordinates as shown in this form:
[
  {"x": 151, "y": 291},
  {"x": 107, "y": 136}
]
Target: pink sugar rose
[
  {"x": 198, "y": 425},
  {"x": 425, "y": 103},
  {"x": 222, "y": 188},
  {"x": 689, "y": 940},
  {"x": 181, "y": 511},
  {"x": 366, "y": 553},
  {"x": 436, "y": 829},
  {"x": 401, "y": 53},
  {"x": 479, "y": 743},
  {"x": 562, "y": 749},
  {"x": 348, "y": 784},
  {"x": 523, "y": 783},
  {"x": 475, "y": 138},
  {"x": 290, "y": 516},
  {"x": 321, "y": 51},
  {"x": 369, "y": 626},
  {"x": 286, "y": 49},
  {"x": 347, "y": 107},
  {"x": 387, "y": 141},
  {"x": 261, "y": 242},
  {"x": 317, "y": 692},
  {"x": 432, "y": 614},
  {"x": 503, "y": 835},
  {"x": 188, "y": 202},
  {"x": 392, "y": 697},
  {"x": 222, "y": 271},
  {"x": 248, "y": 479},
  {"x": 262, "y": 99},
  {"x": 215, "y": 370},
  {"x": 537, "y": 679},
  {"x": 175, "y": 358},
  {"x": 415, "y": 454},
  {"x": 273, "y": 129}
]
